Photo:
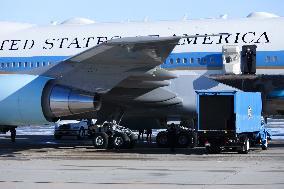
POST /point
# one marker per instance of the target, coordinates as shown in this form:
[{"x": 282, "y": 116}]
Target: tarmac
[{"x": 39, "y": 161}]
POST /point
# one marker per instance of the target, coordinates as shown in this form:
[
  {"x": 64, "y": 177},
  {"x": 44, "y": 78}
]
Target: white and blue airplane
[{"x": 140, "y": 72}]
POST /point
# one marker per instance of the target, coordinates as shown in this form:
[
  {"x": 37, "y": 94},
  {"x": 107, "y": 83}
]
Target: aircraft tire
[
  {"x": 100, "y": 141},
  {"x": 162, "y": 139},
  {"x": 183, "y": 140},
  {"x": 120, "y": 140}
]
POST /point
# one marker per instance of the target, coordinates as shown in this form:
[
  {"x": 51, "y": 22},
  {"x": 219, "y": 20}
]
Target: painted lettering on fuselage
[{"x": 86, "y": 42}]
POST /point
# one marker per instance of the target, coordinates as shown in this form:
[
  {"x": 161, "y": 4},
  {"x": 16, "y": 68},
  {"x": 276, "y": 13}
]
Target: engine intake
[{"x": 59, "y": 101}]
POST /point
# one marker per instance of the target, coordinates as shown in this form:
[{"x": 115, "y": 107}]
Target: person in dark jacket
[{"x": 172, "y": 137}]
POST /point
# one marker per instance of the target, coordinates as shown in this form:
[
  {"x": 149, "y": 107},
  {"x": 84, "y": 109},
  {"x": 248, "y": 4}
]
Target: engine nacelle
[
  {"x": 28, "y": 99},
  {"x": 59, "y": 101}
]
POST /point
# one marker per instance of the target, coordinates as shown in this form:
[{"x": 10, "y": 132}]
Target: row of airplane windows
[
  {"x": 191, "y": 60},
  {"x": 210, "y": 60},
  {"x": 24, "y": 64}
]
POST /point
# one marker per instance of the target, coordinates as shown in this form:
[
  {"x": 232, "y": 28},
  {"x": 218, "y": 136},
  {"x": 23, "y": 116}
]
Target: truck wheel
[
  {"x": 213, "y": 149},
  {"x": 81, "y": 133},
  {"x": 120, "y": 140},
  {"x": 264, "y": 144},
  {"x": 245, "y": 147},
  {"x": 183, "y": 140},
  {"x": 57, "y": 137},
  {"x": 162, "y": 139},
  {"x": 100, "y": 141}
]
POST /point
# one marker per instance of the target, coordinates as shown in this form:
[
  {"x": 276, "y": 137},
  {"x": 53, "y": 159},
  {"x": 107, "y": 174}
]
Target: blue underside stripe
[{"x": 191, "y": 60}]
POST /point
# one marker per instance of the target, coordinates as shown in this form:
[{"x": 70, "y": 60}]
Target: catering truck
[{"x": 230, "y": 120}]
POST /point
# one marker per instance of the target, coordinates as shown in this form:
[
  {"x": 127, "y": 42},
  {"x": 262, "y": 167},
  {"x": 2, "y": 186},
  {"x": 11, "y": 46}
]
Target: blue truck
[{"x": 230, "y": 120}]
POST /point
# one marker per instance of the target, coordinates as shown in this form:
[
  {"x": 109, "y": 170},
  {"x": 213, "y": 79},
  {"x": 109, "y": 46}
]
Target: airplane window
[
  {"x": 2, "y": 65},
  {"x": 198, "y": 60},
  {"x": 25, "y": 64},
  {"x": 267, "y": 59},
  {"x": 171, "y": 61},
  {"x": 43, "y": 63},
  {"x": 191, "y": 60},
  {"x": 37, "y": 64},
  {"x": 48, "y": 63},
  {"x": 276, "y": 58},
  {"x": 32, "y": 64},
  {"x": 212, "y": 61},
  {"x": 20, "y": 64},
  {"x": 8, "y": 65},
  {"x": 13, "y": 64},
  {"x": 204, "y": 60},
  {"x": 273, "y": 59},
  {"x": 184, "y": 60},
  {"x": 178, "y": 60}
]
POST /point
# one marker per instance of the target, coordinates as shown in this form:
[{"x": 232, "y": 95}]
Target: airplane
[{"x": 138, "y": 73}]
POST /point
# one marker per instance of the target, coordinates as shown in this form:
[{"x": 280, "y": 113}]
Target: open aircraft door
[{"x": 231, "y": 59}]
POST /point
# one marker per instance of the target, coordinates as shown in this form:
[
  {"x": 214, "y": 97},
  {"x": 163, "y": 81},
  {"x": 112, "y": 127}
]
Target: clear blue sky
[{"x": 45, "y": 11}]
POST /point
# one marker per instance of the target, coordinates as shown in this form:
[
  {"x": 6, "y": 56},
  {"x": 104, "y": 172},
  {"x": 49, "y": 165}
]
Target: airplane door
[
  {"x": 249, "y": 59},
  {"x": 231, "y": 59}
]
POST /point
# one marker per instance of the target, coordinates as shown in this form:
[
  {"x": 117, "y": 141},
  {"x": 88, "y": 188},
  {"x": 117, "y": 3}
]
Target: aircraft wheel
[
  {"x": 162, "y": 139},
  {"x": 120, "y": 140},
  {"x": 100, "y": 141},
  {"x": 133, "y": 141},
  {"x": 183, "y": 140}
]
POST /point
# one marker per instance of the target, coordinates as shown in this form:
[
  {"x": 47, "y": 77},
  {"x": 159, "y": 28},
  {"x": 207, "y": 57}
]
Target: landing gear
[
  {"x": 100, "y": 140},
  {"x": 162, "y": 139},
  {"x": 111, "y": 135},
  {"x": 120, "y": 140}
]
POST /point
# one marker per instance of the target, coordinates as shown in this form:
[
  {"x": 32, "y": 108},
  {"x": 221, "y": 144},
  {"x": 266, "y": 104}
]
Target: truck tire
[
  {"x": 81, "y": 134},
  {"x": 100, "y": 141},
  {"x": 183, "y": 140},
  {"x": 120, "y": 140},
  {"x": 213, "y": 149},
  {"x": 245, "y": 147},
  {"x": 162, "y": 139}
]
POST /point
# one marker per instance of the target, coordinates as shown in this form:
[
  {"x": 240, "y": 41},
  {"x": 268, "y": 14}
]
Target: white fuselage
[{"x": 36, "y": 46}]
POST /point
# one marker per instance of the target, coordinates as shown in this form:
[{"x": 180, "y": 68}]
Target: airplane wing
[{"x": 104, "y": 66}]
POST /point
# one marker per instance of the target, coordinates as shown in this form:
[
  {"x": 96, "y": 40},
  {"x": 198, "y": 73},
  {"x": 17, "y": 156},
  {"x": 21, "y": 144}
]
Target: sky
[{"x": 44, "y": 11}]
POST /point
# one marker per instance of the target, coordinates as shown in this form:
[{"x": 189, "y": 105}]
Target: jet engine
[{"x": 28, "y": 99}]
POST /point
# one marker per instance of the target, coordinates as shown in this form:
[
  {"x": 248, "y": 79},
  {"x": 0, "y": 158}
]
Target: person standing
[
  {"x": 141, "y": 135},
  {"x": 149, "y": 135},
  {"x": 172, "y": 137}
]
